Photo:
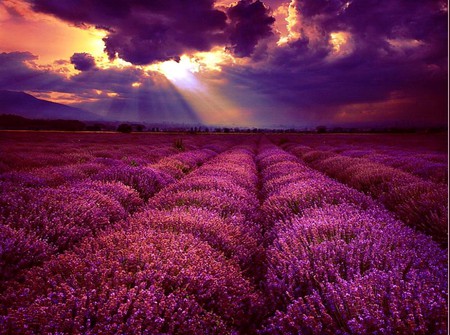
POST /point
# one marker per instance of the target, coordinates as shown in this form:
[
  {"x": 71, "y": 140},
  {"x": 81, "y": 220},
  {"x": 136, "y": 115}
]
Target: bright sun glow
[
  {"x": 181, "y": 70},
  {"x": 180, "y": 73},
  {"x": 186, "y": 72},
  {"x": 188, "y": 78}
]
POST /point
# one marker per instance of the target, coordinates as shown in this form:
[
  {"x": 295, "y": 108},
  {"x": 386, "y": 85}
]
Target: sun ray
[{"x": 189, "y": 77}]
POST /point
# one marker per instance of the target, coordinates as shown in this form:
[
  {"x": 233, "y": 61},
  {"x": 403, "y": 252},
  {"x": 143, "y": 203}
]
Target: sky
[{"x": 272, "y": 63}]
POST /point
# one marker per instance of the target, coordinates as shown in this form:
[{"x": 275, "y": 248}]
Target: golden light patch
[
  {"x": 44, "y": 35},
  {"x": 292, "y": 20},
  {"x": 341, "y": 42},
  {"x": 214, "y": 60},
  {"x": 188, "y": 65},
  {"x": 62, "y": 98},
  {"x": 405, "y": 43},
  {"x": 220, "y": 4}
]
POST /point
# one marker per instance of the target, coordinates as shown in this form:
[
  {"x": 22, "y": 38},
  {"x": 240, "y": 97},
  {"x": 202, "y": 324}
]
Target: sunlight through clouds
[
  {"x": 291, "y": 20},
  {"x": 267, "y": 62},
  {"x": 341, "y": 43},
  {"x": 187, "y": 77},
  {"x": 180, "y": 73}
]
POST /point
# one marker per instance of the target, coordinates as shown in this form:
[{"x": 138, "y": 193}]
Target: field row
[
  {"x": 234, "y": 237},
  {"x": 419, "y": 203},
  {"x": 48, "y": 210},
  {"x": 424, "y": 156},
  {"x": 340, "y": 264}
]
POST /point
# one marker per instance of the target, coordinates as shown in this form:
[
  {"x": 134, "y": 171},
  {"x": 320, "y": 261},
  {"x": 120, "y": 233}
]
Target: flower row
[
  {"x": 40, "y": 221},
  {"x": 174, "y": 268},
  {"x": 420, "y": 204},
  {"x": 339, "y": 264}
]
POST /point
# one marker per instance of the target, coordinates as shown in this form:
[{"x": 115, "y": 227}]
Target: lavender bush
[
  {"x": 339, "y": 264},
  {"x": 420, "y": 204},
  {"x": 147, "y": 282},
  {"x": 111, "y": 234}
]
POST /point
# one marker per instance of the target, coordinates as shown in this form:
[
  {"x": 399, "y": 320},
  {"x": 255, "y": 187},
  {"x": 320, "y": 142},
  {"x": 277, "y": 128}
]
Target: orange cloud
[{"x": 43, "y": 35}]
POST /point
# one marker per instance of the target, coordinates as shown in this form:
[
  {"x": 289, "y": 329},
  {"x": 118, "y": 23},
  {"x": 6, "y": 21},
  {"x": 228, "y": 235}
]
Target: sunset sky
[{"x": 296, "y": 63}]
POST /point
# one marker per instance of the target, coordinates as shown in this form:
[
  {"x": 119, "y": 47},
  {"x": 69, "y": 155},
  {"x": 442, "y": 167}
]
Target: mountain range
[{"x": 26, "y": 105}]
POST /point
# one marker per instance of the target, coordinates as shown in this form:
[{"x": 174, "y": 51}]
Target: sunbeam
[{"x": 187, "y": 78}]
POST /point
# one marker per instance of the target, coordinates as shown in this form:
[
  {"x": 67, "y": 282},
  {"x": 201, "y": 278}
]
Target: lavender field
[{"x": 223, "y": 234}]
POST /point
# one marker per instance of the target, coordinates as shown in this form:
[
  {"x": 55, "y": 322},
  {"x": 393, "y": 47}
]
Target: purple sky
[{"x": 247, "y": 63}]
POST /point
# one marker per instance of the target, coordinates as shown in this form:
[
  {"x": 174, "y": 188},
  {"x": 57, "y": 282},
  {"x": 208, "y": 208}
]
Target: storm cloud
[
  {"x": 250, "y": 22},
  {"x": 143, "y": 32},
  {"x": 361, "y": 61},
  {"x": 83, "y": 61},
  {"x": 392, "y": 60}
]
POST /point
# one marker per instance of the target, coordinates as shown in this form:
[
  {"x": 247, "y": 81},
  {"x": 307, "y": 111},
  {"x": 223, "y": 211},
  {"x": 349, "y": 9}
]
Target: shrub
[{"x": 142, "y": 282}]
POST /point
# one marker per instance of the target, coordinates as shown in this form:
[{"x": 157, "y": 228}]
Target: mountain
[{"x": 23, "y": 104}]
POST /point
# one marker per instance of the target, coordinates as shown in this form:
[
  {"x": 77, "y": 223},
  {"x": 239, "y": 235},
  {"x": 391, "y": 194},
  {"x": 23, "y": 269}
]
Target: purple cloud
[
  {"x": 373, "y": 23},
  {"x": 393, "y": 59},
  {"x": 396, "y": 65},
  {"x": 250, "y": 22},
  {"x": 144, "y": 32},
  {"x": 83, "y": 61},
  {"x": 15, "y": 74}
]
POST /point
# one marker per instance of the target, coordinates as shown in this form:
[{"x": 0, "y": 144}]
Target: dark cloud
[
  {"x": 83, "y": 61},
  {"x": 159, "y": 31},
  {"x": 18, "y": 71},
  {"x": 372, "y": 23},
  {"x": 392, "y": 67},
  {"x": 395, "y": 65},
  {"x": 143, "y": 32},
  {"x": 250, "y": 22}
]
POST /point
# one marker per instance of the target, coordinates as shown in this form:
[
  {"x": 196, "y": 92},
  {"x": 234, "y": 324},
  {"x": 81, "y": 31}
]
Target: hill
[{"x": 26, "y": 105}]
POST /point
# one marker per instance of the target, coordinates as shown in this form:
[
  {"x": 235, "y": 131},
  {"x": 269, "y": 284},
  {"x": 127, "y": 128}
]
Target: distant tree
[
  {"x": 140, "y": 127},
  {"x": 321, "y": 129},
  {"x": 95, "y": 127},
  {"x": 337, "y": 130},
  {"x": 124, "y": 128},
  {"x": 65, "y": 125}
]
